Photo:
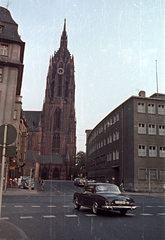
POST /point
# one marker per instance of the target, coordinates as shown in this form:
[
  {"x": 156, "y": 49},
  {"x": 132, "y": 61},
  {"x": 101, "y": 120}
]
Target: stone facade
[
  {"x": 11, "y": 71},
  {"x": 53, "y": 136}
]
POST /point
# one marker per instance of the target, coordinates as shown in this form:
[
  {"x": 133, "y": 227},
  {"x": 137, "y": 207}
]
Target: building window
[
  {"x": 109, "y": 157},
  {"x": 142, "y": 128},
  {"x": 161, "y": 129},
  {"x": 152, "y": 129},
  {"x": 152, "y": 151},
  {"x": 162, "y": 174},
  {"x": 56, "y": 143},
  {"x": 114, "y": 155},
  {"x": 161, "y": 109},
  {"x": 1, "y": 71},
  {"x": 15, "y": 115},
  {"x": 114, "y": 136},
  {"x": 151, "y": 108},
  {"x": 142, "y": 151},
  {"x": 162, "y": 152},
  {"x": 142, "y": 174},
  {"x": 117, "y": 154},
  {"x": 117, "y": 135},
  {"x": 117, "y": 117},
  {"x": 110, "y": 121},
  {"x": 1, "y": 29},
  {"x": 110, "y": 138},
  {"x": 153, "y": 174},
  {"x": 3, "y": 49},
  {"x": 114, "y": 119},
  {"x": 141, "y": 107}
]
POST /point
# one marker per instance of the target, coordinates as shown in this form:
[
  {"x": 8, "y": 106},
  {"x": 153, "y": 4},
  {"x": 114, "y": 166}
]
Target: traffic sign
[{"x": 11, "y": 134}]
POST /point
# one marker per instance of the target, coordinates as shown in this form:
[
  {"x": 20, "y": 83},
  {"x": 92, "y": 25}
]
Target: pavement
[{"x": 9, "y": 231}]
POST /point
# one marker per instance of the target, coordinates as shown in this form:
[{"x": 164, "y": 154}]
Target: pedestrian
[
  {"x": 10, "y": 182},
  {"x": 122, "y": 187},
  {"x": 164, "y": 188},
  {"x": 19, "y": 182},
  {"x": 42, "y": 184}
]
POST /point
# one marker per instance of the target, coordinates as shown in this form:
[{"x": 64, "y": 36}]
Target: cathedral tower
[{"x": 58, "y": 114}]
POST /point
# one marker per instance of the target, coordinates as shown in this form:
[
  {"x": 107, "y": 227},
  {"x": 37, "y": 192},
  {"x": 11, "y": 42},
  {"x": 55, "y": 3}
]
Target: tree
[{"x": 79, "y": 164}]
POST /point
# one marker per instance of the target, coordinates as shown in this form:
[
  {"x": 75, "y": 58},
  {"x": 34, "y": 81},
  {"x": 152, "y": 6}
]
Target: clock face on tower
[{"x": 60, "y": 71}]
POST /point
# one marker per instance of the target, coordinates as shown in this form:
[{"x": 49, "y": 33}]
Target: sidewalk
[
  {"x": 10, "y": 231},
  {"x": 19, "y": 191}
]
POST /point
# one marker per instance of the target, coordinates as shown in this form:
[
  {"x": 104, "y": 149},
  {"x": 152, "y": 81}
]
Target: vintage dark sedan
[{"x": 103, "y": 196}]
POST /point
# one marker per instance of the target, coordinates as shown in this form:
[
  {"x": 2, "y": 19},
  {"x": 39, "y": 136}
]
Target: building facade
[
  {"x": 128, "y": 145},
  {"x": 11, "y": 72},
  {"x": 57, "y": 146}
]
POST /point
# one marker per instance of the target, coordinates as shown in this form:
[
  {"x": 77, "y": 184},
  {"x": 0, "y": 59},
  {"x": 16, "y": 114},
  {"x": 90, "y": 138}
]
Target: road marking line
[
  {"x": 146, "y": 214},
  {"x": 90, "y": 215},
  {"x": 73, "y": 215},
  {"x": 130, "y": 214},
  {"x": 26, "y": 217},
  {"x": 18, "y": 206},
  {"x": 66, "y": 206},
  {"x": 52, "y": 206},
  {"x": 35, "y": 206},
  {"x": 4, "y": 218},
  {"x": 49, "y": 216},
  {"x": 161, "y": 206},
  {"x": 162, "y": 214},
  {"x": 150, "y": 206}
]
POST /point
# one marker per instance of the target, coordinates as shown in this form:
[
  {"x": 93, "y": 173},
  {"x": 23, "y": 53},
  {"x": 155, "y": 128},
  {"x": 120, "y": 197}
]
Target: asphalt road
[{"x": 49, "y": 214}]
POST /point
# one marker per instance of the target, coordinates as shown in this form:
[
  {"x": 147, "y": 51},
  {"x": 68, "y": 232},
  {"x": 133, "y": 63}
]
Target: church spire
[{"x": 64, "y": 36}]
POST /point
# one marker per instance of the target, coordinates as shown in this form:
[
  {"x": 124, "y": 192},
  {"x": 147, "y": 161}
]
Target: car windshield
[{"x": 107, "y": 189}]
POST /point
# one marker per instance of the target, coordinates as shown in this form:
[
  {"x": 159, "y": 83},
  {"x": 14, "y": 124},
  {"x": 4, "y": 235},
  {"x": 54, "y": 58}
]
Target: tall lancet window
[
  {"x": 66, "y": 90},
  {"x": 52, "y": 89},
  {"x": 56, "y": 143},
  {"x": 57, "y": 119},
  {"x": 59, "y": 85}
]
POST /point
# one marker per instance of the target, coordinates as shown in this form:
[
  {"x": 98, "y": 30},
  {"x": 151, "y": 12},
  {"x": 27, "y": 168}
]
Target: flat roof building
[{"x": 128, "y": 145}]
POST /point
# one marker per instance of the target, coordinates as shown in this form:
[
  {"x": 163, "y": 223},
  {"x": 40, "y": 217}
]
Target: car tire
[
  {"x": 123, "y": 212},
  {"x": 95, "y": 207},
  {"x": 76, "y": 204}
]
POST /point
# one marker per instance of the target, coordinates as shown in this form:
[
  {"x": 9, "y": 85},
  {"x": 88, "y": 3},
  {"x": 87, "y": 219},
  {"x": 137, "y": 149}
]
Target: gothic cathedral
[{"x": 57, "y": 118}]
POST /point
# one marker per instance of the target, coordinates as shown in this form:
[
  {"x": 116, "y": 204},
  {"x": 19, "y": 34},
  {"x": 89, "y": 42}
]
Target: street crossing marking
[
  {"x": 26, "y": 217},
  {"x": 51, "y": 206},
  {"x": 146, "y": 214},
  {"x": 90, "y": 215},
  {"x": 18, "y": 206},
  {"x": 73, "y": 215},
  {"x": 49, "y": 216},
  {"x": 162, "y": 214},
  {"x": 4, "y": 218}
]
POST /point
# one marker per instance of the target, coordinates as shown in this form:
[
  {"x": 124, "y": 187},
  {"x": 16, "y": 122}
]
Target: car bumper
[{"x": 119, "y": 207}]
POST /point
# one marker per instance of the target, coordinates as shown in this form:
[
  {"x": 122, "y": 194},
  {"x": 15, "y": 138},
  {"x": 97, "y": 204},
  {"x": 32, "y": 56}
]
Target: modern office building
[{"x": 128, "y": 145}]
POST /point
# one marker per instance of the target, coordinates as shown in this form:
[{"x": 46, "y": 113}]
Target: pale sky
[{"x": 114, "y": 43}]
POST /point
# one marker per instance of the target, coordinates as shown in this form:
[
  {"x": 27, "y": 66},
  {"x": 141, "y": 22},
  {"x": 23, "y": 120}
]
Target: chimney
[{"x": 142, "y": 94}]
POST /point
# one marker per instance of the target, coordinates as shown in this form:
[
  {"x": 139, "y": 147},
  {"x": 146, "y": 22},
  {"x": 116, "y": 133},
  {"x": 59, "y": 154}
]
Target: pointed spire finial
[{"x": 64, "y": 36}]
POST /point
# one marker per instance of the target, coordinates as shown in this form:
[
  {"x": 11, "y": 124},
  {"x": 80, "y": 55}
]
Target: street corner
[{"x": 10, "y": 231}]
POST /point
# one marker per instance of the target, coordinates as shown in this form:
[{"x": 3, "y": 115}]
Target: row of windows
[
  {"x": 151, "y": 129},
  {"x": 152, "y": 151},
  {"x": 153, "y": 173},
  {"x": 114, "y": 155},
  {"x": 112, "y": 120},
  {"x": 151, "y": 108}
]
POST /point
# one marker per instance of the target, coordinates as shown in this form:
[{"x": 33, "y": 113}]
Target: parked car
[
  {"x": 79, "y": 182},
  {"x": 29, "y": 183},
  {"x": 103, "y": 196}
]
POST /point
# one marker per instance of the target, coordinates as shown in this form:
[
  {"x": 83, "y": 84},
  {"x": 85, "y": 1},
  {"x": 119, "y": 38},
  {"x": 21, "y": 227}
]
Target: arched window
[
  {"x": 57, "y": 119},
  {"x": 59, "y": 85},
  {"x": 52, "y": 89},
  {"x": 56, "y": 143},
  {"x": 66, "y": 89}
]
